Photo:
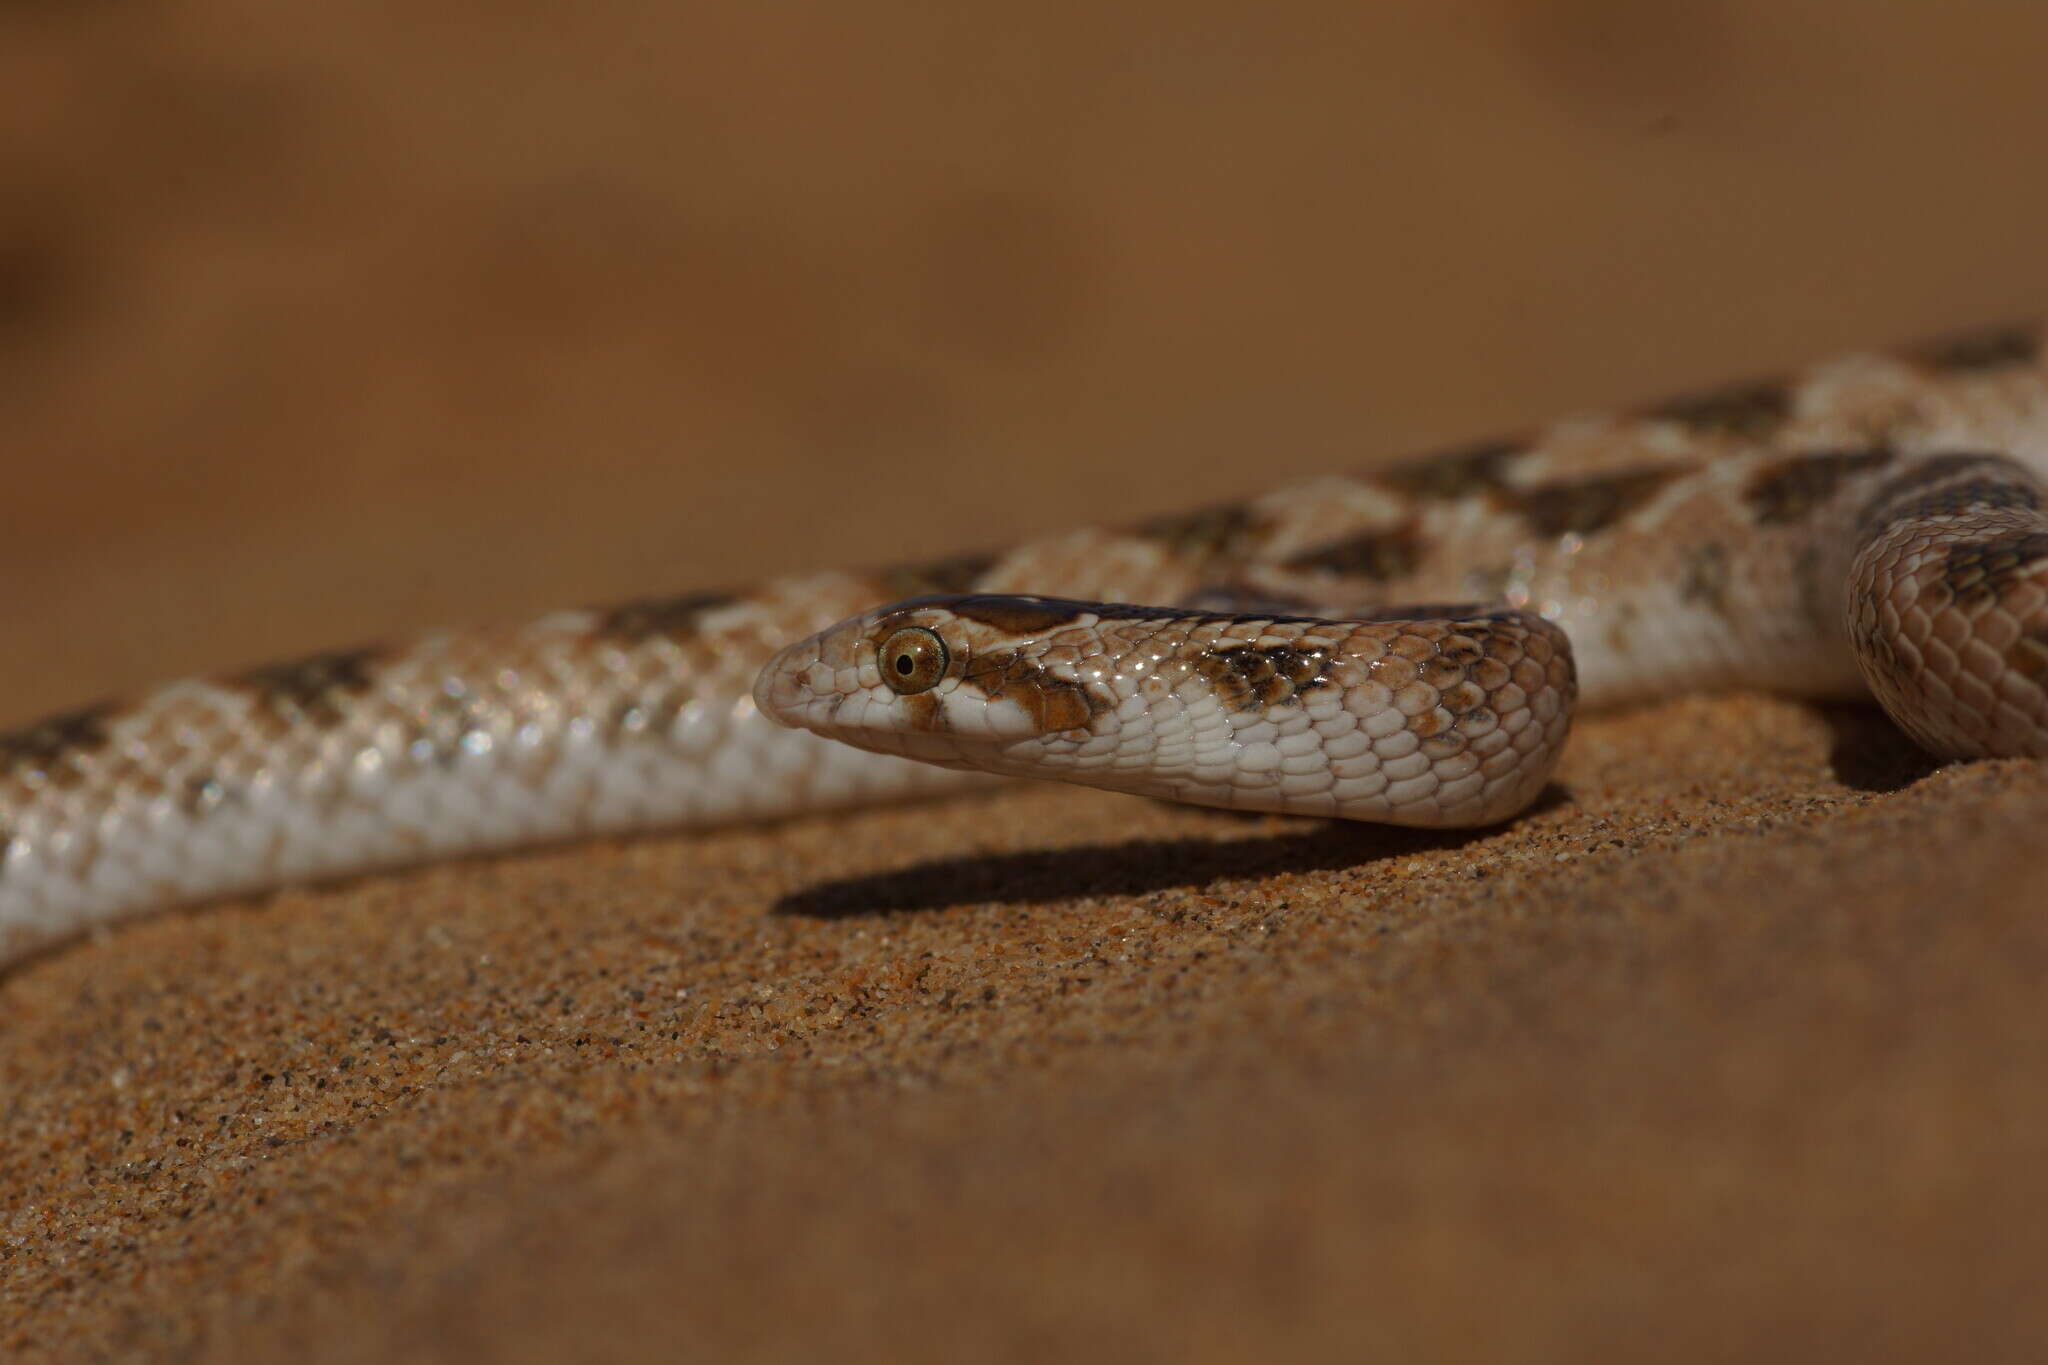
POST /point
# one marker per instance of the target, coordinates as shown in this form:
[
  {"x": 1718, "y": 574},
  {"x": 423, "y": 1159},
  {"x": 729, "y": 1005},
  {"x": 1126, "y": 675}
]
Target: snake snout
[{"x": 784, "y": 690}]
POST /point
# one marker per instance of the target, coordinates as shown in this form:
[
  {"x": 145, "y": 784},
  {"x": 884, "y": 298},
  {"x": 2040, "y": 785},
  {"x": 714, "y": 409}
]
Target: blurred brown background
[{"x": 325, "y": 319}]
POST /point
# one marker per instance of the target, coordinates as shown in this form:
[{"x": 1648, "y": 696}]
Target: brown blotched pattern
[
  {"x": 1018, "y": 615},
  {"x": 1220, "y": 531},
  {"x": 954, "y": 574},
  {"x": 316, "y": 689},
  {"x": 1792, "y": 489},
  {"x": 1752, "y": 412},
  {"x": 1251, "y": 677},
  {"x": 53, "y": 746},
  {"x": 1378, "y": 556},
  {"x": 1976, "y": 571},
  {"x": 1948, "y": 604},
  {"x": 1948, "y": 485},
  {"x": 1585, "y": 507},
  {"x": 1706, "y": 578},
  {"x": 1991, "y": 349},
  {"x": 1052, "y": 702},
  {"x": 1452, "y": 474},
  {"x": 676, "y": 618}
]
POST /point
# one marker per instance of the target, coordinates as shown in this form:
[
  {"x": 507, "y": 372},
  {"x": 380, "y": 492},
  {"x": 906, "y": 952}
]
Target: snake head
[
  {"x": 1444, "y": 720},
  {"x": 947, "y": 679}
]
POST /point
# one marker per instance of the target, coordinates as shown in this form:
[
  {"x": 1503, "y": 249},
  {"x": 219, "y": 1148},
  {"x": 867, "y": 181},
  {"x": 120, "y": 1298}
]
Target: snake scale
[{"x": 1870, "y": 525}]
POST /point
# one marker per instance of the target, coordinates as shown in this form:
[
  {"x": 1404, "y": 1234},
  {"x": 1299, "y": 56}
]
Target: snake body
[{"x": 1869, "y": 525}]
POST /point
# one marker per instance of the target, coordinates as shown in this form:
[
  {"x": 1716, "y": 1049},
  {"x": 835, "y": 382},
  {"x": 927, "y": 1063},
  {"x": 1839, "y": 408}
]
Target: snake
[{"x": 1866, "y": 526}]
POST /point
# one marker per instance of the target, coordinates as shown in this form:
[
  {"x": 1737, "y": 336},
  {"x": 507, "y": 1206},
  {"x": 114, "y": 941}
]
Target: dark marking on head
[
  {"x": 1222, "y": 530},
  {"x": 954, "y": 574},
  {"x": 1751, "y": 411},
  {"x": 1989, "y": 349},
  {"x": 1706, "y": 577},
  {"x": 55, "y": 745},
  {"x": 1449, "y": 474},
  {"x": 1977, "y": 571},
  {"x": 1948, "y": 485},
  {"x": 1381, "y": 556},
  {"x": 651, "y": 618},
  {"x": 1253, "y": 677},
  {"x": 1018, "y": 615},
  {"x": 312, "y": 688},
  {"x": 1589, "y": 505},
  {"x": 1030, "y": 615},
  {"x": 1792, "y": 489},
  {"x": 927, "y": 711},
  {"x": 1053, "y": 703}
]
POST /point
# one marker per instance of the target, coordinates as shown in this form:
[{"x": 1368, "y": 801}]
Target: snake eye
[{"x": 913, "y": 660}]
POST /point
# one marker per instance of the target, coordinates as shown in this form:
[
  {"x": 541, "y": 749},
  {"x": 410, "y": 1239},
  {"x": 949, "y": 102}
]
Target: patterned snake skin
[
  {"x": 1871, "y": 525},
  {"x": 1452, "y": 717}
]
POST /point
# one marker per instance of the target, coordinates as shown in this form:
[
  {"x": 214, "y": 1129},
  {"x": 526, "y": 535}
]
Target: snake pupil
[{"x": 905, "y": 664}]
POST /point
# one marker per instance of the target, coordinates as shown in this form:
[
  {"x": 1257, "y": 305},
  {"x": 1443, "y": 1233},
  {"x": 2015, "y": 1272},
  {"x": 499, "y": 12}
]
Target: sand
[{"x": 1732, "y": 1049}]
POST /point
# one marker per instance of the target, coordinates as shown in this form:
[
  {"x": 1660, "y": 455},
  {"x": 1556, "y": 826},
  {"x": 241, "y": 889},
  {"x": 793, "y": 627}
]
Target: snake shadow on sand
[
  {"x": 1130, "y": 868},
  {"x": 1866, "y": 753}
]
